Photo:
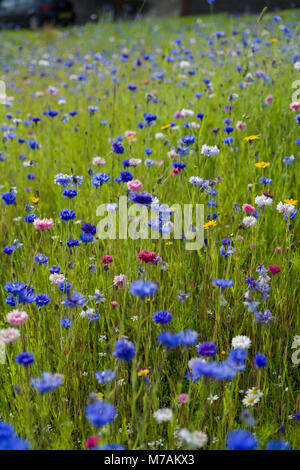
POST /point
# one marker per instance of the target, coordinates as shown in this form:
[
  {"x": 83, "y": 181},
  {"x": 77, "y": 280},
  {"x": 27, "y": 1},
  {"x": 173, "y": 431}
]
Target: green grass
[{"x": 57, "y": 420}]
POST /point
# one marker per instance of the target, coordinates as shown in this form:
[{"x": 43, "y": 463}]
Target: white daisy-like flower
[
  {"x": 241, "y": 341},
  {"x": 163, "y": 415},
  {"x": 249, "y": 221}
]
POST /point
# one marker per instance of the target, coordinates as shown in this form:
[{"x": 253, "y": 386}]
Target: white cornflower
[
  {"x": 241, "y": 341},
  {"x": 262, "y": 201},
  {"x": 163, "y": 415},
  {"x": 297, "y": 65},
  {"x": 187, "y": 112},
  {"x": 249, "y": 221},
  {"x": 209, "y": 151},
  {"x": 56, "y": 278},
  {"x": 194, "y": 439},
  {"x": 286, "y": 209}
]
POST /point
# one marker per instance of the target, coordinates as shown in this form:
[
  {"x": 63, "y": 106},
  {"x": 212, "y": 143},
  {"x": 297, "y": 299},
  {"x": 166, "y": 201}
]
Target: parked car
[{"x": 35, "y": 13}]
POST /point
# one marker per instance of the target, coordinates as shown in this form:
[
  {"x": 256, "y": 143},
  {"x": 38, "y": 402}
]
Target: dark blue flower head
[
  {"x": 162, "y": 317},
  {"x": 207, "y": 349},
  {"x": 124, "y": 350}
]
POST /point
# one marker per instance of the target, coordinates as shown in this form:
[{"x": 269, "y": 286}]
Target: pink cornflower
[
  {"x": 248, "y": 208},
  {"x": 294, "y": 105},
  {"x": 107, "y": 259},
  {"x": 114, "y": 303},
  {"x": 273, "y": 269},
  {"x": 120, "y": 282},
  {"x": 240, "y": 125},
  {"x": 16, "y": 317},
  {"x": 278, "y": 249},
  {"x": 92, "y": 442},
  {"x": 269, "y": 99},
  {"x": 134, "y": 185},
  {"x": 183, "y": 398},
  {"x": 43, "y": 224},
  {"x": 130, "y": 134},
  {"x": 147, "y": 257}
]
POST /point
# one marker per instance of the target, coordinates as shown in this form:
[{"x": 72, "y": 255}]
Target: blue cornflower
[
  {"x": 124, "y": 177},
  {"x": 179, "y": 165},
  {"x": 149, "y": 118},
  {"x": 141, "y": 198},
  {"x": 8, "y": 198},
  {"x": 241, "y": 440},
  {"x": 65, "y": 323},
  {"x": 260, "y": 360},
  {"x": 74, "y": 300},
  {"x": 264, "y": 318},
  {"x": 188, "y": 337},
  {"x": 110, "y": 447},
  {"x": 72, "y": 242},
  {"x": 162, "y": 317},
  {"x": 171, "y": 340},
  {"x": 69, "y": 193},
  {"x": 223, "y": 283},
  {"x": 14, "y": 287},
  {"x": 99, "y": 179},
  {"x": 142, "y": 288},
  {"x": 41, "y": 259},
  {"x": 124, "y": 350},
  {"x": 182, "y": 296},
  {"x": 64, "y": 287},
  {"x": 288, "y": 160},
  {"x": 67, "y": 214},
  {"x": 24, "y": 359},
  {"x": 30, "y": 218},
  {"x": 188, "y": 139},
  {"x": 117, "y": 147},
  {"x": 54, "y": 269},
  {"x": 9, "y": 249},
  {"x": 42, "y": 299},
  {"x": 207, "y": 349},
  {"x": 278, "y": 445},
  {"x": 105, "y": 376},
  {"x": 47, "y": 382},
  {"x": 86, "y": 237},
  {"x": 33, "y": 144},
  {"x": 89, "y": 228},
  {"x": 100, "y": 413}
]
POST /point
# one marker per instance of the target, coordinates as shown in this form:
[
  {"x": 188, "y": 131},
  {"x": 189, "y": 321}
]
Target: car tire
[{"x": 34, "y": 22}]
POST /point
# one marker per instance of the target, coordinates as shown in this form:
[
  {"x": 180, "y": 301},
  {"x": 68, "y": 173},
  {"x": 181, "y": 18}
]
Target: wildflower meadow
[{"x": 150, "y": 237}]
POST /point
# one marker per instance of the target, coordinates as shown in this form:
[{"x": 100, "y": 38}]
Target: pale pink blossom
[
  {"x": 130, "y": 134},
  {"x": 134, "y": 185},
  {"x": 241, "y": 125},
  {"x": 269, "y": 99},
  {"x": 56, "y": 278},
  {"x": 98, "y": 161},
  {"x": 120, "y": 282},
  {"x": 9, "y": 335},
  {"x": 16, "y": 317},
  {"x": 294, "y": 105},
  {"x": 43, "y": 224}
]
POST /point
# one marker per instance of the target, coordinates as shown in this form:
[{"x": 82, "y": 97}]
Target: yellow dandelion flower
[
  {"x": 252, "y": 137},
  {"x": 291, "y": 201},
  {"x": 168, "y": 243},
  {"x": 165, "y": 127},
  {"x": 273, "y": 40},
  {"x": 223, "y": 353},
  {"x": 148, "y": 299},
  {"x": 211, "y": 223},
  {"x": 35, "y": 200},
  {"x": 100, "y": 395},
  {"x": 262, "y": 164}
]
